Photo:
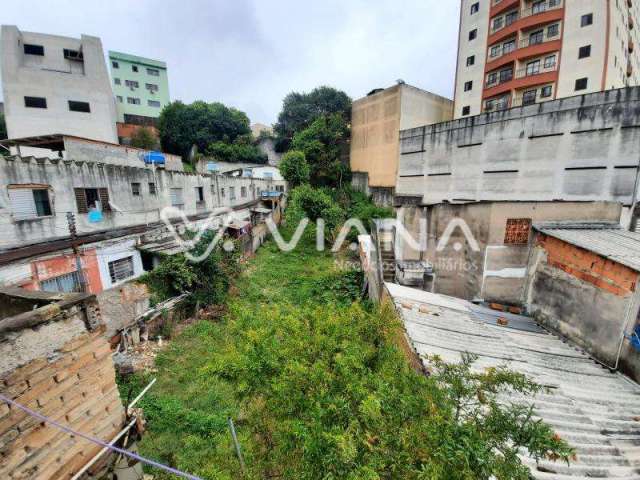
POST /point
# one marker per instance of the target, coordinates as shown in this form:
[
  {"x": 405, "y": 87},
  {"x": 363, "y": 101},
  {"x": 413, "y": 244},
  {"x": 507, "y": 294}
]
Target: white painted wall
[
  {"x": 116, "y": 250},
  {"x": 58, "y": 80}
]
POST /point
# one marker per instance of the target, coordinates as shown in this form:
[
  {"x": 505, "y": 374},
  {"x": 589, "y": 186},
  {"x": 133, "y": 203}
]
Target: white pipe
[
  {"x": 142, "y": 393},
  {"x": 104, "y": 450}
]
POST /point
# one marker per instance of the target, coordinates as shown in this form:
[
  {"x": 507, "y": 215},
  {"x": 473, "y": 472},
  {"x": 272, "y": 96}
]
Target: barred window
[{"x": 121, "y": 269}]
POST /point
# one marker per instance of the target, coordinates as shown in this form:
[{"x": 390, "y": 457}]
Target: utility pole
[{"x": 71, "y": 223}]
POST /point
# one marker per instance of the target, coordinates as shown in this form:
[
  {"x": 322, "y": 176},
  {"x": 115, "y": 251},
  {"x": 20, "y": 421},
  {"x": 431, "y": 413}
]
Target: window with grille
[
  {"x": 152, "y": 188},
  {"x": 243, "y": 192},
  {"x": 69, "y": 282},
  {"x": 89, "y": 198},
  {"x": 121, "y": 269},
  {"x": 29, "y": 202},
  {"x": 517, "y": 231}
]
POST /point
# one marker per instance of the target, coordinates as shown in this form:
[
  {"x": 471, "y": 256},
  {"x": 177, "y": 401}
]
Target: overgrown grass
[{"x": 318, "y": 390}]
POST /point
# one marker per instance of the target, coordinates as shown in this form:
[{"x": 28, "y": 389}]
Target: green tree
[
  {"x": 314, "y": 203},
  {"x": 200, "y": 124},
  {"x": 299, "y": 110},
  {"x": 3, "y": 127},
  {"x": 144, "y": 138},
  {"x": 243, "y": 149},
  {"x": 294, "y": 168},
  {"x": 323, "y": 143}
]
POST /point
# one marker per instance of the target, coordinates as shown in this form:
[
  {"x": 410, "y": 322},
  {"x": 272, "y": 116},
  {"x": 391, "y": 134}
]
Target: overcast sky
[{"x": 250, "y": 53}]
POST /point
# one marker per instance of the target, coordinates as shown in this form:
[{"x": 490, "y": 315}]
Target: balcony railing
[
  {"x": 497, "y": 105},
  {"x": 523, "y": 43},
  {"x": 504, "y": 78},
  {"x": 533, "y": 71},
  {"x": 527, "y": 12}
]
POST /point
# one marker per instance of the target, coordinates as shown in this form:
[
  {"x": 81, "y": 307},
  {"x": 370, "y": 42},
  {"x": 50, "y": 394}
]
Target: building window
[
  {"x": 121, "y": 269},
  {"x": 83, "y": 107},
  {"x": 131, "y": 83},
  {"x": 116, "y": 81},
  {"x": 90, "y": 198},
  {"x": 35, "y": 102},
  {"x": 152, "y": 87},
  {"x": 508, "y": 47},
  {"x": 466, "y": 110},
  {"x": 495, "y": 51},
  {"x": 153, "y": 72},
  {"x": 473, "y": 34},
  {"x": 199, "y": 194},
  {"x": 497, "y": 23},
  {"x": 471, "y": 60},
  {"x": 536, "y": 37},
  {"x": 510, "y": 17},
  {"x": 75, "y": 55},
  {"x": 529, "y": 97},
  {"x": 553, "y": 30},
  {"x": 475, "y": 8},
  {"x": 517, "y": 231},
  {"x": 533, "y": 68},
  {"x": 152, "y": 188},
  {"x": 586, "y": 20},
  {"x": 69, "y": 282},
  {"x": 550, "y": 61},
  {"x": 584, "y": 52},
  {"x": 232, "y": 193},
  {"x": 243, "y": 192},
  {"x": 222, "y": 192},
  {"x": 176, "y": 198},
  {"x": 134, "y": 68},
  {"x": 546, "y": 91},
  {"x": 506, "y": 75},
  {"x": 119, "y": 98},
  {"x": 29, "y": 202},
  {"x": 539, "y": 6},
  {"x": 133, "y": 101},
  {"x": 581, "y": 84},
  {"x": 153, "y": 103},
  {"x": 30, "y": 49},
  {"x": 492, "y": 78},
  {"x": 135, "y": 189},
  {"x": 468, "y": 85},
  {"x": 115, "y": 64}
]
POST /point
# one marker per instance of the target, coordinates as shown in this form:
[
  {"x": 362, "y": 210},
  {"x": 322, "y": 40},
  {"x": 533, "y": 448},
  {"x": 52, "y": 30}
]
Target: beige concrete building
[
  {"x": 376, "y": 122},
  {"x": 521, "y": 52}
]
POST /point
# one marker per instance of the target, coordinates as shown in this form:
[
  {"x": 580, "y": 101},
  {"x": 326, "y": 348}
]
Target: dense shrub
[{"x": 294, "y": 168}]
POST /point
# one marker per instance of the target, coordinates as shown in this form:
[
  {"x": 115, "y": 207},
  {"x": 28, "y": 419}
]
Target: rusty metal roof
[{"x": 609, "y": 240}]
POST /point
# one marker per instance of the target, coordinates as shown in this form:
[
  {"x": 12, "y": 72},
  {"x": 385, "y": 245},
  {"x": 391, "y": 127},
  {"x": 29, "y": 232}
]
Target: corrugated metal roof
[
  {"x": 606, "y": 239},
  {"x": 594, "y": 410}
]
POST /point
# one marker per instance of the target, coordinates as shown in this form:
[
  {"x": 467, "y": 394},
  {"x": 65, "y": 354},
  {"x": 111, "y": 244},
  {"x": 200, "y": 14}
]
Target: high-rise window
[
  {"x": 466, "y": 110},
  {"x": 475, "y": 8},
  {"x": 581, "y": 84},
  {"x": 75, "y": 106},
  {"x": 584, "y": 52},
  {"x": 153, "y": 72},
  {"x": 35, "y": 102},
  {"x": 533, "y": 67},
  {"x": 546, "y": 91},
  {"x": 529, "y": 97},
  {"x": 471, "y": 60},
  {"x": 550, "y": 61},
  {"x": 134, "y": 68},
  {"x": 586, "y": 20},
  {"x": 473, "y": 34},
  {"x": 30, "y": 49},
  {"x": 468, "y": 86},
  {"x": 553, "y": 30},
  {"x": 115, "y": 64}
]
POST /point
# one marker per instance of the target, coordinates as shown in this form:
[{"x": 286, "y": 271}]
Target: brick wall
[
  {"x": 589, "y": 267},
  {"x": 73, "y": 382}
]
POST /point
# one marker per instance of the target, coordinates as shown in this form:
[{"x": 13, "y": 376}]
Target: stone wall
[
  {"x": 56, "y": 361},
  {"x": 121, "y": 305}
]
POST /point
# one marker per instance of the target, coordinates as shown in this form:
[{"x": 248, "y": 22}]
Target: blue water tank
[{"x": 156, "y": 158}]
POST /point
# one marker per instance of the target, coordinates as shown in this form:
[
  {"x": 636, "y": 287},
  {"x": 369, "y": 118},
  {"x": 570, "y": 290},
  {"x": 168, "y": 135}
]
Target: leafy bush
[
  {"x": 294, "y": 168},
  {"x": 207, "y": 281},
  {"x": 144, "y": 138},
  {"x": 314, "y": 203},
  {"x": 240, "y": 151}
]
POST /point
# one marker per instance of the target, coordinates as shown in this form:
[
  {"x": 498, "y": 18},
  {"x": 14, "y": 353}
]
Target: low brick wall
[{"x": 73, "y": 383}]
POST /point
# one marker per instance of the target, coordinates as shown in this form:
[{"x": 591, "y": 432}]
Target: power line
[{"x": 101, "y": 443}]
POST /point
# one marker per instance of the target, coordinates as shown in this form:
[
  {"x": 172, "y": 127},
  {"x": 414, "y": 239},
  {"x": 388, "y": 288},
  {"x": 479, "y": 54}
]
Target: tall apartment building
[
  {"x": 519, "y": 52},
  {"x": 54, "y": 84},
  {"x": 141, "y": 88}
]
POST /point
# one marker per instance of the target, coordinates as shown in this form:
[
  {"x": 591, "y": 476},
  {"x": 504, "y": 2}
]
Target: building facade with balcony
[{"x": 520, "y": 52}]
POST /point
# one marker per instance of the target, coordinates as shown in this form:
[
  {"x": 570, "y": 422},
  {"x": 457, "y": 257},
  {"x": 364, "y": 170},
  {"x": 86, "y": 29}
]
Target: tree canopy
[
  {"x": 323, "y": 144},
  {"x": 144, "y": 138},
  {"x": 295, "y": 168},
  {"x": 241, "y": 150},
  {"x": 299, "y": 110},
  {"x": 200, "y": 124}
]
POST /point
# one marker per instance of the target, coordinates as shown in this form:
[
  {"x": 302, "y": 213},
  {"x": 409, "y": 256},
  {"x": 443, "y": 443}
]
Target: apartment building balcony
[
  {"x": 530, "y": 46},
  {"x": 507, "y": 80},
  {"x": 500, "y": 6},
  {"x": 540, "y": 13}
]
